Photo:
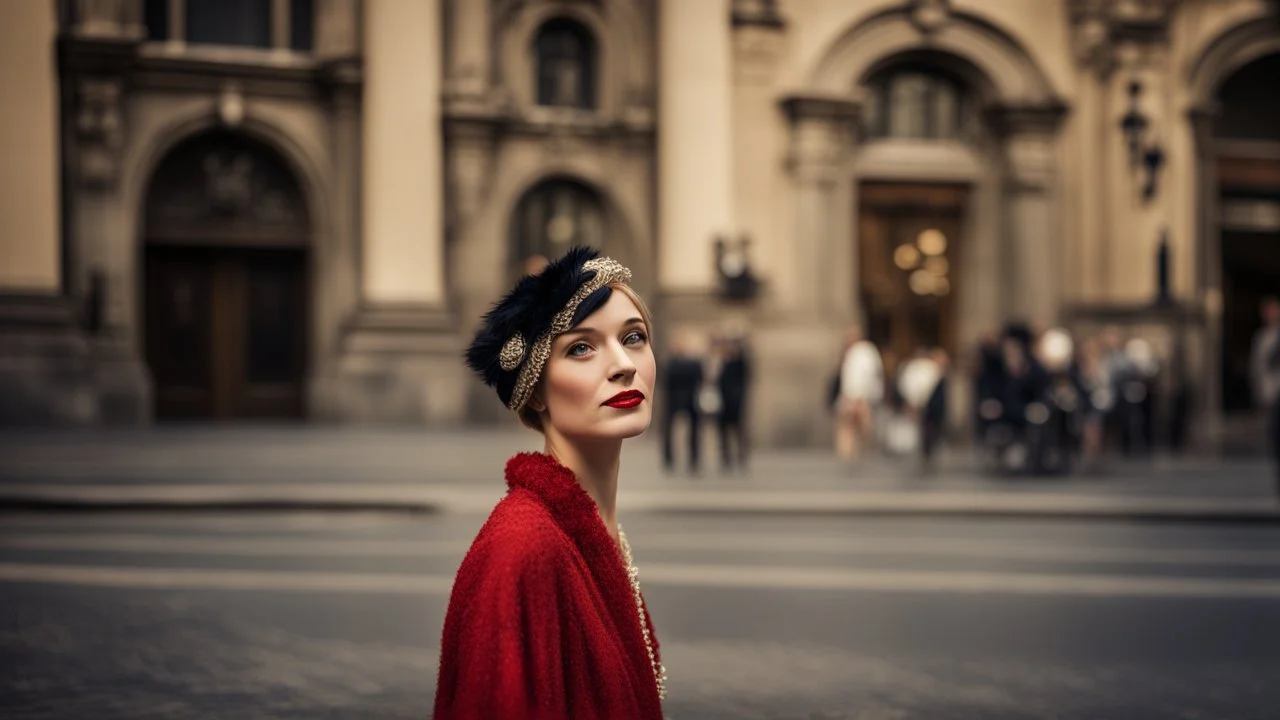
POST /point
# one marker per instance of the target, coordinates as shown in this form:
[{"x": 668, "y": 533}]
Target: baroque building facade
[{"x": 220, "y": 209}]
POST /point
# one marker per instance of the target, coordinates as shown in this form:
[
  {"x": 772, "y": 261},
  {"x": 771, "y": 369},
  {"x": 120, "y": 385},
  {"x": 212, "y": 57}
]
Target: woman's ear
[{"x": 535, "y": 402}]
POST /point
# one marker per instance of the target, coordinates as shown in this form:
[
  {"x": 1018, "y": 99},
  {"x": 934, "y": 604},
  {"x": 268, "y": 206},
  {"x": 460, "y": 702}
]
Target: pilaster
[
  {"x": 1032, "y": 256},
  {"x": 823, "y": 133}
]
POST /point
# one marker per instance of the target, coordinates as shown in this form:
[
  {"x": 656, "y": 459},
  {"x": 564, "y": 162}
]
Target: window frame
[
  {"x": 281, "y": 28},
  {"x": 590, "y": 63},
  {"x": 881, "y": 88}
]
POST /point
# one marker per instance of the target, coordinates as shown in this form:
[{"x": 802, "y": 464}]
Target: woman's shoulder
[{"x": 520, "y": 530}]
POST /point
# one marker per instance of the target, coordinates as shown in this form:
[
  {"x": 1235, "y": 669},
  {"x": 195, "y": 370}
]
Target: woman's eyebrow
[{"x": 588, "y": 330}]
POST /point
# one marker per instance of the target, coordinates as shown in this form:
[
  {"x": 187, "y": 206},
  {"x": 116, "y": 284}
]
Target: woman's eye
[
  {"x": 634, "y": 337},
  {"x": 578, "y": 349}
]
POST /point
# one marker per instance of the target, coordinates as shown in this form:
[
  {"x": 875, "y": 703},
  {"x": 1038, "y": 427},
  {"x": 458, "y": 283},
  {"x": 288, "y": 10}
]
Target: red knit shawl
[{"x": 542, "y": 622}]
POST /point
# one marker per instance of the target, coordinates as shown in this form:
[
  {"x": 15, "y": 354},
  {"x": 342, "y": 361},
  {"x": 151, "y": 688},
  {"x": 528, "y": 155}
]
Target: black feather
[{"x": 528, "y": 309}]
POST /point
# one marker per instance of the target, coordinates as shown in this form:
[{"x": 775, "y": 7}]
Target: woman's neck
[{"x": 595, "y": 465}]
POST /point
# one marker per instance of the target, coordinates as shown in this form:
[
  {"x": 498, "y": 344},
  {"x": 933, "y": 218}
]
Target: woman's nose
[{"x": 622, "y": 366}]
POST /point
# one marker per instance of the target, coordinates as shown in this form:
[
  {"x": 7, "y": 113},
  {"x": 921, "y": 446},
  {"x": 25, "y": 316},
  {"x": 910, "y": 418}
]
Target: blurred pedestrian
[
  {"x": 933, "y": 416},
  {"x": 733, "y": 382},
  {"x": 1096, "y": 401},
  {"x": 546, "y": 616},
  {"x": 1265, "y": 366},
  {"x": 861, "y": 389},
  {"x": 682, "y": 384}
]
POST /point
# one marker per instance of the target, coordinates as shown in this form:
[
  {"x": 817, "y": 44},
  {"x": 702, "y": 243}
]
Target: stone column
[
  {"x": 695, "y": 164},
  {"x": 810, "y": 296},
  {"x": 1032, "y": 258},
  {"x": 403, "y": 229},
  {"x": 469, "y": 45},
  {"x": 759, "y": 135},
  {"x": 822, "y": 259},
  {"x": 1205, "y": 361},
  {"x": 399, "y": 356}
]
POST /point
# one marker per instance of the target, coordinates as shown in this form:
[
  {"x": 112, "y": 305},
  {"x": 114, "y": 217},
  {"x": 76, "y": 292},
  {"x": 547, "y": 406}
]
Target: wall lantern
[{"x": 1143, "y": 154}]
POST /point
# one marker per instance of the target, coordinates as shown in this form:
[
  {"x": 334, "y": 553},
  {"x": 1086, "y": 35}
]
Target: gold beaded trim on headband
[{"x": 607, "y": 271}]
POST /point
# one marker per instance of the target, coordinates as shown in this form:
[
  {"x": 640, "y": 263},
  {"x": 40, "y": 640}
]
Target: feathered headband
[{"x": 511, "y": 348}]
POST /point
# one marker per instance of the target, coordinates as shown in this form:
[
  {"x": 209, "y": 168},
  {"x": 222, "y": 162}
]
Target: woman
[
  {"x": 861, "y": 389},
  {"x": 546, "y": 618}
]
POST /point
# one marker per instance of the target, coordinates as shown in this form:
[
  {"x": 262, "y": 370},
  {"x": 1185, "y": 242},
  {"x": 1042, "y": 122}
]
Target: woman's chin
[{"x": 628, "y": 427}]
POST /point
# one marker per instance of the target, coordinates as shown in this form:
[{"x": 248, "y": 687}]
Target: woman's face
[{"x": 599, "y": 379}]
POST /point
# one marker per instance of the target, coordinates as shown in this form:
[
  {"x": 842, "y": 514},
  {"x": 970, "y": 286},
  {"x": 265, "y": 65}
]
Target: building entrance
[
  {"x": 225, "y": 289},
  {"x": 909, "y": 239}
]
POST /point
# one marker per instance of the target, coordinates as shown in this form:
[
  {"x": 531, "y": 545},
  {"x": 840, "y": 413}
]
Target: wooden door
[
  {"x": 226, "y": 332},
  {"x": 909, "y": 239},
  {"x": 179, "y": 334}
]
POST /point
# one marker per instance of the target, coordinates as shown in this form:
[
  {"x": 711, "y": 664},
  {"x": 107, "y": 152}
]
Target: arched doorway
[
  {"x": 1247, "y": 142},
  {"x": 556, "y": 214},
  {"x": 911, "y": 227},
  {"x": 225, "y": 293}
]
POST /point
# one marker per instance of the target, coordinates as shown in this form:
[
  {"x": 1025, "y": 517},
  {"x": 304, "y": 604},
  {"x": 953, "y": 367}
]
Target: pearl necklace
[{"x": 659, "y": 672}]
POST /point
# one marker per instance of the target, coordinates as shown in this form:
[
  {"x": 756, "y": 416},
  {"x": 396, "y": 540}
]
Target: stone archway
[
  {"x": 1238, "y": 205},
  {"x": 560, "y": 210},
  {"x": 1008, "y": 164},
  {"x": 226, "y": 268}
]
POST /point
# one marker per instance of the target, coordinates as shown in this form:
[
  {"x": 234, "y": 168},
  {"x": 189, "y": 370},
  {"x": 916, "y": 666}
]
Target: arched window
[
  {"x": 566, "y": 60},
  {"x": 552, "y": 217},
  {"x": 1249, "y": 102},
  {"x": 915, "y": 103}
]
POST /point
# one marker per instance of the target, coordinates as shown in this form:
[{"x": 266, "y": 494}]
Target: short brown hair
[{"x": 531, "y": 418}]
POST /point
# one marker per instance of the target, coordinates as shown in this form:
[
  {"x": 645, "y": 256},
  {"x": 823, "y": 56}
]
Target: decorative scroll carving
[
  {"x": 929, "y": 16},
  {"x": 224, "y": 187},
  {"x": 1098, "y": 26},
  {"x": 823, "y": 130},
  {"x": 99, "y": 130}
]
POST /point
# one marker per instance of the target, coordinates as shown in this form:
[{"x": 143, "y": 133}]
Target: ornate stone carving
[
  {"x": 99, "y": 130},
  {"x": 1100, "y": 26},
  {"x": 929, "y": 15},
  {"x": 1028, "y": 131},
  {"x": 823, "y": 130},
  {"x": 225, "y": 186}
]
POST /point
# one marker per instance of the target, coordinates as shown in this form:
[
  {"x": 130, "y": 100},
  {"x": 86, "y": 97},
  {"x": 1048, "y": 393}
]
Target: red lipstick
[{"x": 625, "y": 399}]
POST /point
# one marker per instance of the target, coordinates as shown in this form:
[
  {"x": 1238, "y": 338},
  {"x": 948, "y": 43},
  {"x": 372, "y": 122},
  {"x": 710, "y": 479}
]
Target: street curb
[
  {"x": 56, "y": 502},
  {"x": 38, "y": 504},
  {"x": 1260, "y": 517}
]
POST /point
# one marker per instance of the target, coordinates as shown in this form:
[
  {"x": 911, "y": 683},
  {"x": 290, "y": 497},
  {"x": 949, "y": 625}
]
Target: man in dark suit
[
  {"x": 734, "y": 378},
  {"x": 681, "y": 381},
  {"x": 933, "y": 416}
]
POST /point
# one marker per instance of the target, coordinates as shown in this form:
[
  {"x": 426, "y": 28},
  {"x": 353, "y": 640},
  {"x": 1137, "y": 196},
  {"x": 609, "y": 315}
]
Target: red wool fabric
[{"x": 542, "y": 622}]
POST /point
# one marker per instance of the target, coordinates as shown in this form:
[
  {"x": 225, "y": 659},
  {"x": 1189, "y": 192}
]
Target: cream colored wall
[
  {"x": 29, "y": 204},
  {"x": 1117, "y": 233}
]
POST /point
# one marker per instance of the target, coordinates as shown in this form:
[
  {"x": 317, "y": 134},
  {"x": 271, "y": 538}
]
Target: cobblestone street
[{"x": 311, "y": 616}]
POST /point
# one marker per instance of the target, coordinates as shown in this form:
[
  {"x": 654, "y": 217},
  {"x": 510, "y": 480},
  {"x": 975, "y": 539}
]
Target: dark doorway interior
[
  {"x": 226, "y": 332},
  {"x": 1250, "y": 272},
  {"x": 225, "y": 294}
]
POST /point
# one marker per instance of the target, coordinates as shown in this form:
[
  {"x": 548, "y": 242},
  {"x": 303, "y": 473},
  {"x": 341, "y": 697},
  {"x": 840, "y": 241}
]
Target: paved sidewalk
[{"x": 433, "y": 471}]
